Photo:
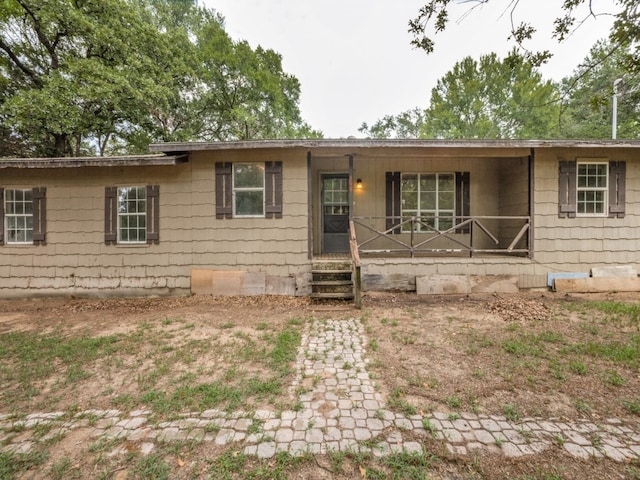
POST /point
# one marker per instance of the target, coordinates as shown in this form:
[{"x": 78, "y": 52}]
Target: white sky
[{"x": 354, "y": 60}]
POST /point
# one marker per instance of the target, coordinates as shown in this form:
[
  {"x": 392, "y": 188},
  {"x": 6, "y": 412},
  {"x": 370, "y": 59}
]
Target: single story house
[{"x": 260, "y": 217}]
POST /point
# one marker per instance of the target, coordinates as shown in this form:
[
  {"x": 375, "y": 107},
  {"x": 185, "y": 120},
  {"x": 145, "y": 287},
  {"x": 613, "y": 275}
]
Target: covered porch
[{"x": 422, "y": 203}]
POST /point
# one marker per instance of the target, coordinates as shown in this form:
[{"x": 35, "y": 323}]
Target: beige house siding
[
  {"x": 76, "y": 260},
  {"x": 578, "y": 244}
]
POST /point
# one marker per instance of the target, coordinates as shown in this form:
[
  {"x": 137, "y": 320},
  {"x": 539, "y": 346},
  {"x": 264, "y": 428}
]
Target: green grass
[
  {"x": 28, "y": 360},
  {"x": 14, "y": 464},
  {"x": 152, "y": 466},
  {"x": 633, "y": 406},
  {"x": 625, "y": 353},
  {"x": 511, "y": 412},
  {"x": 398, "y": 402},
  {"x": 235, "y": 465}
]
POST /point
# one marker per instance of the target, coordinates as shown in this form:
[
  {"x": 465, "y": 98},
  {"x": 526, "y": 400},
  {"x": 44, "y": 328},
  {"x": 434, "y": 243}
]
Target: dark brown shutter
[
  {"x": 39, "y": 196},
  {"x": 153, "y": 214},
  {"x": 567, "y": 189},
  {"x": 617, "y": 187},
  {"x": 273, "y": 190},
  {"x": 1, "y": 216},
  {"x": 224, "y": 195},
  {"x": 111, "y": 215},
  {"x": 463, "y": 200},
  {"x": 393, "y": 201}
]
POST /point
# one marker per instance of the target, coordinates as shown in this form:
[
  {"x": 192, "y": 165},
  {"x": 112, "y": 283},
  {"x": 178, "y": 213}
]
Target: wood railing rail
[{"x": 421, "y": 232}]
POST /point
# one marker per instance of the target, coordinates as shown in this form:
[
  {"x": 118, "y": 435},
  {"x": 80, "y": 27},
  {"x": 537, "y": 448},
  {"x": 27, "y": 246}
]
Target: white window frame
[
  {"x": 437, "y": 212},
  {"x": 7, "y": 215},
  {"x": 604, "y": 189},
  {"x": 129, "y": 215},
  {"x": 236, "y": 190}
]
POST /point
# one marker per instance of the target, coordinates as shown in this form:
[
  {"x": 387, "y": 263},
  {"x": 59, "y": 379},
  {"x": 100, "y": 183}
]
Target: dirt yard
[{"x": 527, "y": 355}]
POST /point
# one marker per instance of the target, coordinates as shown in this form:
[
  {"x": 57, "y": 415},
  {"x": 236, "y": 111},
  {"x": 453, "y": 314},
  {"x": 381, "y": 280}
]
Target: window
[
  {"x": 23, "y": 216},
  {"x": 19, "y": 216},
  {"x": 430, "y": 198},
  {"x": 131, "y": 215},
  {"x": 592, "y": 188},
  {"x": 336, "y": 195},
  {"x": 439, "y": 200},
  {"x": 248, "y": 190}
]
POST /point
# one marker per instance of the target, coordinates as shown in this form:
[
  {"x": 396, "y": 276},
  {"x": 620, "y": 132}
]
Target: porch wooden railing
[
  {"x": 355, "y": 265},
  {"x": 404, "y": 236}
]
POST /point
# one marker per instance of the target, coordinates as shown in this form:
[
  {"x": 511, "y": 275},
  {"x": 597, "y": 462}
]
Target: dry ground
[{"x": 524, "y": 355}]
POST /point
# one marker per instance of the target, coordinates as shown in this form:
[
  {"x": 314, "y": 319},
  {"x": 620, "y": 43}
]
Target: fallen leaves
[{"x": 514, "y": 309}]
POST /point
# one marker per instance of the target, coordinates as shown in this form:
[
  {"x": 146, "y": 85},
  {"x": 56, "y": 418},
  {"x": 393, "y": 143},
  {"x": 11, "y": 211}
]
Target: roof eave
[
  {"x": 77, "y": 162},
  {"x": 173, "y": 147}
]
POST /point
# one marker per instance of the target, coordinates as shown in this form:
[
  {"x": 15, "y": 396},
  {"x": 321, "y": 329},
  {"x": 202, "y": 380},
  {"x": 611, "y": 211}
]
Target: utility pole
[{"x": 614, "y": 123}]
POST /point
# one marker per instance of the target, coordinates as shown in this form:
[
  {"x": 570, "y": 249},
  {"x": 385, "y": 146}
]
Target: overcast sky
[{"x": 354, "y": 60}]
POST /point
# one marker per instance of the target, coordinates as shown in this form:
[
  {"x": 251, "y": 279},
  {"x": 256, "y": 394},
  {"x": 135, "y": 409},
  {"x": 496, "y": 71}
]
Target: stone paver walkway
[{"x": 338, "y": 409}]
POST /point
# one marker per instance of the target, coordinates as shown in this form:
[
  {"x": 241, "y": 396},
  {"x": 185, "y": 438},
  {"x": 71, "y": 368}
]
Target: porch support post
[
  {"x": 530, "y": 237},
  {"x": 309, "y": 208},
  {"x": 351, "y": 187}
]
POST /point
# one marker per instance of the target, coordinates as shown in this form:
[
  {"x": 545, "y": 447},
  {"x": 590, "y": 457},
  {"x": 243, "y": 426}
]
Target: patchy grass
[
  {"x": 480, "y": 362},
  {"x": 451, "y": 354},
  {"x": 156, "y": 364}
]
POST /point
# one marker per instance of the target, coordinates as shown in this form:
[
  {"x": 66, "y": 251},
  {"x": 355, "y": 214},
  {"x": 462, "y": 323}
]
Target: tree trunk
[{"x": 60, "y": 144}]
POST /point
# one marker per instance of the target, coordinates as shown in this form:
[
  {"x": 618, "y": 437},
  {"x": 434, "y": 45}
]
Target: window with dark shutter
[
  {"x": 463, "y": 201},
  {"x": 224, "y": 196},
  {"x": 273, "y": 190},
  {"x": 269, "y": 192},
  {"x": 393, "y": 203},
  {"x": 592, "y": 178},
  {"x": 617, "y": 187},
  {"x": 111, "y": 215},
  {"x": 153, "y": 214},
  {"x": 39, "y": 196}
]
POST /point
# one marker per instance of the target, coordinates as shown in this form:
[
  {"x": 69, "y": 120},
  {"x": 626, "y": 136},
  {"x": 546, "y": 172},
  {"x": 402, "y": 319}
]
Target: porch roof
[{"x": 350, "y": 144}]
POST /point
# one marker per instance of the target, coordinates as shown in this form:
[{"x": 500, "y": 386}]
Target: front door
[{"x": 335, "y": 213}]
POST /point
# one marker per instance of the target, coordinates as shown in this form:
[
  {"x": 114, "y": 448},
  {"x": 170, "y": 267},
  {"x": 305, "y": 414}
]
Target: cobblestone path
[{"x": 338, "y": 409}]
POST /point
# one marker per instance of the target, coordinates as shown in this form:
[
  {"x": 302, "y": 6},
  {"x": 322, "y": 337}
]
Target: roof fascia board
[{"x": 77, "y": 162}]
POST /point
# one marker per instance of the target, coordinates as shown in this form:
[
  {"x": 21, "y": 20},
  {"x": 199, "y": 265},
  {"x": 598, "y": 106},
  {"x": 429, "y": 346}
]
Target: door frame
[{"x": 333, "y": 174}]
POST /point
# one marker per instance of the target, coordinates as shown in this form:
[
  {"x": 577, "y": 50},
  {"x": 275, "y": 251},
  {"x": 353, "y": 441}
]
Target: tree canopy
[
  {"x": 587, "y": 96},
  {"x": 111, "y": 76},
  {"x": 433, "y": 18},
  {"x": 489, "y": 98}
]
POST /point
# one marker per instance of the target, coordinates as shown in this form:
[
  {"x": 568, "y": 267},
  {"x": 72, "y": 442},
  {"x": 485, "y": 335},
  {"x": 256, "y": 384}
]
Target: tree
[
  {"x": 489, "y": 98},
  {"x": 433, "y": 18},
  {"x": 238, "y": 92},
  {"x": 78, "y": 71},
  {"x": 492, "y": 99},
  {"x": 588, "y": 92},
  {"x": 114, "y": 75},
  {"x": 405, "y": 125}
]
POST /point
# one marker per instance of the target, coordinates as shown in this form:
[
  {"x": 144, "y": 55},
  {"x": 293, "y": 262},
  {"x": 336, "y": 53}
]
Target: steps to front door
[{"x": 332, "y": 280}]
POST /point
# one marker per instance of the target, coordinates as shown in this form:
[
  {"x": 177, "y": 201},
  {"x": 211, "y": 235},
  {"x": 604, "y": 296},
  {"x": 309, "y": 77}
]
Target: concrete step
[{"x": 334, "y": 295}]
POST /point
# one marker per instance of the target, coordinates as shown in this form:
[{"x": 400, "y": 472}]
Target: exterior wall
[
  {"x": 513, "y": 199},
  {"x": 76, "y": 260},
  {"x": 578, "y": 244}
]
